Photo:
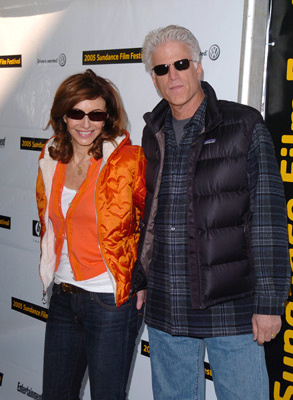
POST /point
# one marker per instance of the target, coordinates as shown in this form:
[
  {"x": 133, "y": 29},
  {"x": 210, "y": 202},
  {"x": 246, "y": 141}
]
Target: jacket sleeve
[
  {"x": 41, "y": 201},
  {"x": 269, "y": 235},
  {"x": 139, "y": 191},
  {"x": 139, "y": 280}
]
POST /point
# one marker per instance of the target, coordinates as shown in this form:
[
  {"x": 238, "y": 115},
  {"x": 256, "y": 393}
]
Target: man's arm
[{"x": 269, "y": 237}]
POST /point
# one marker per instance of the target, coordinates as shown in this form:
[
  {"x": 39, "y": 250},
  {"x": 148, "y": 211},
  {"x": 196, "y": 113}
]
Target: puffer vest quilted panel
[{"x": 219, "y": 214}]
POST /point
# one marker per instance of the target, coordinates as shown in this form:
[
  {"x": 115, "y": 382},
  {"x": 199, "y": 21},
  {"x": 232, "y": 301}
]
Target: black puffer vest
[
  {"x": 219, "y": 209},
  {"x": 218, "y": 202}
]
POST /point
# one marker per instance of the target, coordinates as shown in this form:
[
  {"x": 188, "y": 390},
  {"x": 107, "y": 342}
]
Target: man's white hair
[{"x": 170, "y": 33}]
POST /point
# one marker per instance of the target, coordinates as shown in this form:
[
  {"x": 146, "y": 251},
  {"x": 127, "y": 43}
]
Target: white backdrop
[{"x": 42, "y": 34}]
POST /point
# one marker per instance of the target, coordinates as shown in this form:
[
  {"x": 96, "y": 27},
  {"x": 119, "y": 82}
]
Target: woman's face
[{"x": 84, "y": 131}]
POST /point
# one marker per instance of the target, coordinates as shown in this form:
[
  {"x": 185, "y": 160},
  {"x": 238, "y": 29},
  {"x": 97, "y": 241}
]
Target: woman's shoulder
[
  {"x": 132, "y": 151},
  {"x": 45, "y": 150}
]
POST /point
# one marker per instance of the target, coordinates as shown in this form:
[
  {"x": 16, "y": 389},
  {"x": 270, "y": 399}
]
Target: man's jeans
[
  {"x": 88, "y": 330},
  {"x": 237, "y": 364}
]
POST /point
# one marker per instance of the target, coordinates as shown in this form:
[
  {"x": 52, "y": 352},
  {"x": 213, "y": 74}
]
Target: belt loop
[{"x": 56, "y": 288}]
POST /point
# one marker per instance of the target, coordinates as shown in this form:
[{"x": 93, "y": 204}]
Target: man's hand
[
  {"x": 140, "y": 298},
  {"x": 265, "y": 327}
]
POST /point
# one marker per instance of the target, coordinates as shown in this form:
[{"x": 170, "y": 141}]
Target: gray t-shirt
[{"x": 178, "y": 126}]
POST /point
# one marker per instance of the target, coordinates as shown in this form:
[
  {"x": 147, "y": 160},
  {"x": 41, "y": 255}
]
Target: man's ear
[{"x": 199, "y": 70}]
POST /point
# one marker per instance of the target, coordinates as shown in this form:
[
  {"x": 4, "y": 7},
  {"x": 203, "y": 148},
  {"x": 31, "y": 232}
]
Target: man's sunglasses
[
  {"x": 93, "y": 115},
  {"x": 180, "y": 65}
]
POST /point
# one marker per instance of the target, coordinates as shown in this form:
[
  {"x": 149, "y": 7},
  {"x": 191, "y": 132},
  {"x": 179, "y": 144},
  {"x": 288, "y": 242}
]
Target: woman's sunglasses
[
  {"x": 93, "y": 115},
  {"x": 180, "y": 65}
]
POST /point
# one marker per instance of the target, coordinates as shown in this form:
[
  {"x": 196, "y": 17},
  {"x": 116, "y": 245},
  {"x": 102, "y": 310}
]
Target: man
[{"x": 214, "y": 245}]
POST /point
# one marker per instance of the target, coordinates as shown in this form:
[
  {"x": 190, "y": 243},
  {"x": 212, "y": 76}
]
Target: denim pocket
[{"x": 107, "y": 300}]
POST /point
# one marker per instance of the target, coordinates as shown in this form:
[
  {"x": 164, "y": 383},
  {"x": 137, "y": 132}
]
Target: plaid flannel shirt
[{"x": 168, "y": 306}]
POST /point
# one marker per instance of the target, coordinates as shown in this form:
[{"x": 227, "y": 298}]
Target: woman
[{"x": 90, "y": 195}]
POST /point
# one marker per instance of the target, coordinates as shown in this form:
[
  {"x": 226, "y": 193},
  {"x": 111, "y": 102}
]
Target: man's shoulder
[
  {"x": 239, "y": 108},
  {"x": 230, "y": 112},
  {"x": 234, "y": 111}
]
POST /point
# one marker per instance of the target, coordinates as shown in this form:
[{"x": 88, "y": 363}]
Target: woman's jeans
[
  {"x": 88, "y": 330},
  {"x": 237, "y": 363}
]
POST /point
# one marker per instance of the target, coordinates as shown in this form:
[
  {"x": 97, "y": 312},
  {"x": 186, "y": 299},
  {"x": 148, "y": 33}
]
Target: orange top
[
  {"x": 79, "y": 225},
  {"x": 119, "y": 197}
]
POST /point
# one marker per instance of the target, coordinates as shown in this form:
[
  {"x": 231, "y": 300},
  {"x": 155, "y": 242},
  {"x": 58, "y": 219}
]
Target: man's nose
[{"x": 173, "y": 72}]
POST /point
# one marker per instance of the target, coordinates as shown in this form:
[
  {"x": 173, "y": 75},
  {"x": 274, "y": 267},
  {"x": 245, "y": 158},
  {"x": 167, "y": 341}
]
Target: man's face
[{"x": 181, "y": 89}]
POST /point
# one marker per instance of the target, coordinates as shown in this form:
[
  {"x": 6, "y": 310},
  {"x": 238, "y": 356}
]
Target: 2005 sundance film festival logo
[
  {"x": 14, "y": 61},
  {"x": 113, "y": 56},
  {"x": 28, "y": 143},
  {"x": 5, "y": 222},
  {"x": 29, "y": 309}
]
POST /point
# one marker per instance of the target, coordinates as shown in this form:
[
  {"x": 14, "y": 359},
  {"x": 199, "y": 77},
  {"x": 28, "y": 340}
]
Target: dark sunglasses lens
[
  {"x": 75, "y": 114},
  {"x": 97, "y": 116},
  {"x": 161, "y": 69},
  {"x": 182, "y": 65},
  {"x": 93, "y": 115}
]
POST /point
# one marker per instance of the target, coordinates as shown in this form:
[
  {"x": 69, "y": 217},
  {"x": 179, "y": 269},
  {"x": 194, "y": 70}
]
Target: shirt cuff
[{"x": 269, "y": 305}]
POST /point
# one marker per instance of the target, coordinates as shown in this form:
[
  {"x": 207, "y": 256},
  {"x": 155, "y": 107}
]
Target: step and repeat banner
[
  {"x": 279, "y": 118},
  {"x": 41, "y": 43}
]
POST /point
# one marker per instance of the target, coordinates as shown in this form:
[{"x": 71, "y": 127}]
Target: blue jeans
[
  {"x": 237, "y": 363},
  {"x": 88, "y": 330}
]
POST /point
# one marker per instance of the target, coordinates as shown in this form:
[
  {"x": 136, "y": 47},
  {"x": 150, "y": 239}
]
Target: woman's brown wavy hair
[{"x": 76, "y": 88}]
